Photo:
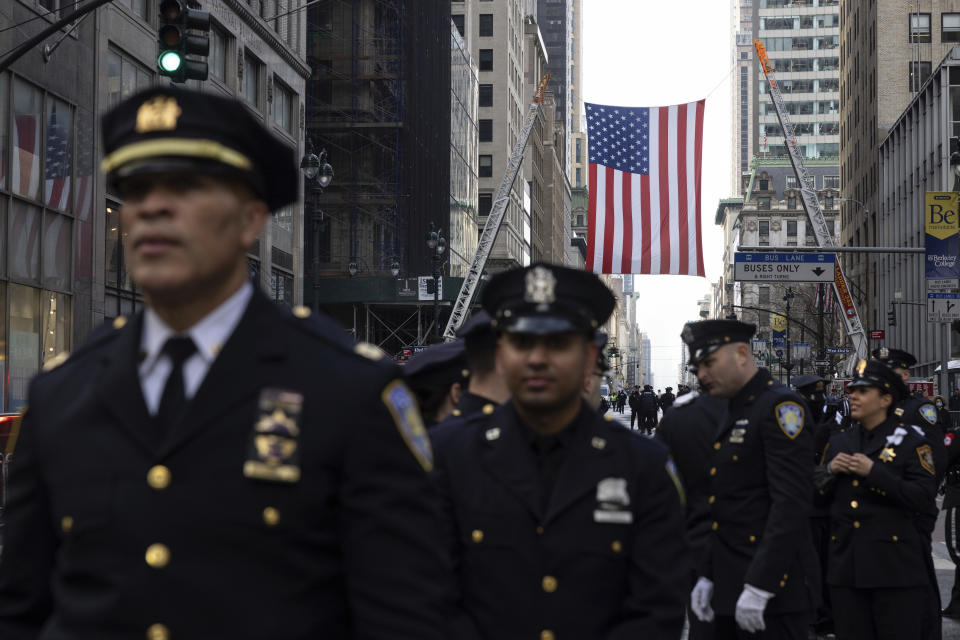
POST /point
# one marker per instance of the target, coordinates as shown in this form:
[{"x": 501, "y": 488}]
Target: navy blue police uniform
[
  {"x": 576, "y": 535},
  {"x": 878, "y": 572},
  {"x": 271, "y": 509},
  {"x": 760, "y": 497},
  {"x": 951, "y": 522},
  {"x": 479, "y": 340}
]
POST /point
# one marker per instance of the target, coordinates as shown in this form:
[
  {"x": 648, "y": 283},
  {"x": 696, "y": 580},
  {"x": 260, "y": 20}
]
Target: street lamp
[
  {"x": 437, "y": 244},
  {"x": 787, "y": 297},
  {"x": 317, "y": 171}
]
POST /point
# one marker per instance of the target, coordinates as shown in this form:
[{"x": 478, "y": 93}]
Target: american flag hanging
[
  {"x": 57, "y": 184},
  {"x": 644, "y": 211}
]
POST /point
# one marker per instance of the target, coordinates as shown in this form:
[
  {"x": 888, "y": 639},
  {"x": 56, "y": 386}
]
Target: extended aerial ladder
[
  {"x": 811, "y": 205},
  {"x": 469, "y": 288}
]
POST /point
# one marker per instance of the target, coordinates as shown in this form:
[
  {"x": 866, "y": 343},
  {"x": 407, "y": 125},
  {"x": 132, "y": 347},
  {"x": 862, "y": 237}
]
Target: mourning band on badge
[{"x": 273, "y": 452}]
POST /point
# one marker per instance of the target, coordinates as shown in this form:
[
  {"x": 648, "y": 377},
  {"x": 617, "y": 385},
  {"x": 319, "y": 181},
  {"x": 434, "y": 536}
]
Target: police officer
[
  {"x": 648, "y": 403},
  {"x": 951, "y": 523},
  {"x": 880, "y": 474},
  {"x": 688, "y": 431},
  {"x": 438, "y": 376},
  {"x": 592, "y": 385},
  {"x": 667, "y": 400},
  {"x": 192, "y": 471},
  {"x": 561, "y": 524},
  {"x": 485, "y": 389},
  {"x": 634, "y": 401},
  {"x": 760, "y": 574}
]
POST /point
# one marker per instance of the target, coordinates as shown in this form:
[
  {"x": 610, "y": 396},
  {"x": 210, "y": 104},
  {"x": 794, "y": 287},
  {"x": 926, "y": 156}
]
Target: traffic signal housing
[
  {"x": 183, "y": 31},
  {"x": 892, "y": 316}
]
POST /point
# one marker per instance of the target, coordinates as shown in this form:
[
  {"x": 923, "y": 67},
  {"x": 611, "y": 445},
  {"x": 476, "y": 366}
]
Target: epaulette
[
  {"x": 319, "y": 326},
  {"x": 686, "y": 398},
  {"x": 105, "y": 331}
]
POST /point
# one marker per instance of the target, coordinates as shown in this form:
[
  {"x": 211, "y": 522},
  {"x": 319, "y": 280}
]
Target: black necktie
[{"x": 173, "y": 400}]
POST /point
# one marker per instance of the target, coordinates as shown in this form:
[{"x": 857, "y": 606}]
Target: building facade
[
  {"x": 578, "y": 119},
  {"x": 914, "y": 157},
  {"x": 62, "y": 270},
  {"x": 464, "y": 136},
  {"x": 556, "y": 18},
  {"x": 889, "y": 48}
]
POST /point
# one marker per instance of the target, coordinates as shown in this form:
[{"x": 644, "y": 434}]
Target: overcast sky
[{"x": 646, "y": 53}]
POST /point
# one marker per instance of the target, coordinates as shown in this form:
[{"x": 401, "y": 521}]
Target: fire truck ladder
[
  {"x": 469, "y": 288},
  {"x": 811, "y": 205}
]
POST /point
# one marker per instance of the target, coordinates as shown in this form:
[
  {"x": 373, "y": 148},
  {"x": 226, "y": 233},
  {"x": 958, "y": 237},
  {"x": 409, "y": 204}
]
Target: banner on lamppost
[
  {"x": 778, "y": 331},
  {"x": 941, "y": 226}
]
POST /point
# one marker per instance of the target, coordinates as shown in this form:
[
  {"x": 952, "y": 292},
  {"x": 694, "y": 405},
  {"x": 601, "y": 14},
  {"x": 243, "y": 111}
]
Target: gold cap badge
[
  {"x": 861, "y": 367},
  {"x": 540, "y": 286},
  {"x": 158, "y": 114}
]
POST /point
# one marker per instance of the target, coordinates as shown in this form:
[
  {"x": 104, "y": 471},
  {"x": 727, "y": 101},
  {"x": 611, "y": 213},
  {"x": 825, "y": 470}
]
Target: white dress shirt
[{"x": 209, "y": 335}]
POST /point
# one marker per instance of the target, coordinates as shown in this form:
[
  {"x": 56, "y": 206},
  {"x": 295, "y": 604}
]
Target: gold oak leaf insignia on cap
[
  {"x": 861, "y": 367},
  {"x": 540, "y": 286},
  {"x": 159, "y": 113}
]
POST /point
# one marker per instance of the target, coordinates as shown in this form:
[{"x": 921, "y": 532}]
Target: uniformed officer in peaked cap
[
  {"x": 192, "y": 471},
  {"x": 561, "y": 524},
  {"x": 879, "y": 475},
  {"x": 438, "y": 376},
  {"x": 760, "y": 573},
  {"x": 594, "y": 383},
  {"x": 486, "y": 389}
]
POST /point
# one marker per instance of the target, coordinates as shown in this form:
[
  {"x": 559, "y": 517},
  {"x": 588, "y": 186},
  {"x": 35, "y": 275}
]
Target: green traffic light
[{"x": 170, "y": 61}]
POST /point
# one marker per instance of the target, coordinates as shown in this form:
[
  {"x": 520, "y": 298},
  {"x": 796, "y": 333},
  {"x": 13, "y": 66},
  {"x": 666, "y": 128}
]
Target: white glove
[
  {"x": 750, "y": 606},
  {"x": 700, "y": 600}
]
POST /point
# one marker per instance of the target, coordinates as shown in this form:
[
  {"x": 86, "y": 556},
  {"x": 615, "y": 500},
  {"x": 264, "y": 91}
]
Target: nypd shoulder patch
[
  {"x": 403, "y": 407},
  {"x": 790, "y": 418},
  {"x": 925, "y": 453},
  {"x": 929, "y": 413},
  {"x": 675, "y": 477}
]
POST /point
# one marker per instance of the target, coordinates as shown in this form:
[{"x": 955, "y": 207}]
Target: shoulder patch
[
  {"x": 403, "y": 407},
  {"x": 790, "y": 418},
  {"x": 929, "y": 413},
  {"x": 371, "y": 351},
  {"x": 672, "y": 472},
  {"x": 926, "y": 458}
]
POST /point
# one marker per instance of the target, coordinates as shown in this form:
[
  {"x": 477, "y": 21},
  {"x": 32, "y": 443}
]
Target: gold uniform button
[
  {"x": 854, "y": 504},
  {"x": 301, "y": 311},
  {"x": 712, "y": 499},
  {"x": 753, "y": 538},
  {"x": 715, "y": 526},
  {"x": 549, "y": 584},
  {"x": 157, "y": 632},
  {"x": 616, "y": 546},
  {"x": 855, "y": 483},
  {"x": 539, "y": 531},
  {"x": 487, "y": 409},
  {"x": 158, "y": 555},
  {"x": 713, "y": 471},
  {"x": 856, "y": 525},
  {"x": 158, "y": 477},
  {"x": 716, "y": 445},
  {"x": 66, "y": 524},
  {"x": 735, "y": 458},
  {"x": 546, "y": 634},
  {"x": 895, "y": 538},
  {"x": 477, "y": 536},
  {"x": 271, "y": 516},
  {"x": 783, "y": 583},
  {"x": 119, "y": 322}
]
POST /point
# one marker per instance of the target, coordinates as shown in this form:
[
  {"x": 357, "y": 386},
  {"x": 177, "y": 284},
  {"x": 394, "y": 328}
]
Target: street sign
[
  {"x": 821, "y": 363},
  {"x": 877, "y": 334},
  {"x": 943, "y": 307},
  {"x": 838, "y": 349},
  {"x": 784, "y": 267}
]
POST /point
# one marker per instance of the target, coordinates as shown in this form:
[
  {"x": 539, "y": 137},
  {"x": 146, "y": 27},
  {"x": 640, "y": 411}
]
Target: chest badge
[
  {"x": 273, "y": 450},
  {"x": 737, "y": 434},
  {"x": 613, "y": 499},
  {"x": 888, "y": 454}
]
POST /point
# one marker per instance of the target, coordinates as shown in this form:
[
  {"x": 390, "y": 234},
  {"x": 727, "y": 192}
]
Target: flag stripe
[
  {"x": 626, "y": 260},
  {"x": 654, "y": 182},
  {"x": 591, "y": 209},
  {"x": 645, "y": 222},
  {"x": 698, "y": 159},
  {"x": 664, "y": 175},
  {"x": 609, "y": 228},
  {"x": 683, "y": 232}
]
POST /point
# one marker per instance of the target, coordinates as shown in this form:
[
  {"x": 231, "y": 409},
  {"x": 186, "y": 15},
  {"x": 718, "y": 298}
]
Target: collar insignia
[
  {"x": 540, "y": 286},
  {"x": 158, "y": 114}
]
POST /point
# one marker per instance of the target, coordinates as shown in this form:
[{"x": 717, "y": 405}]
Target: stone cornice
[{"x": 269, "y": 37}]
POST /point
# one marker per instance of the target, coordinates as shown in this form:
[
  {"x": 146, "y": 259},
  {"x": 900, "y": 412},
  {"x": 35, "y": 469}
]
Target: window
[
  {"x": 486, "y": 130},
  {"x": 252, "y": 68},
  {"x": 919, "y": 27},
  {"x": 485, "y": 204},
  {"x": 486, "y": 95},
  {"x": 764, "y": 232},
  {"x": 763, "y": 203},
  {"x": 832, "y": 226},
  {"x": 124, "y": 77},
  {"x": 763, "y": 184},
  {"x": 486, "y": 60},
  {"x": 579, "y": 219},
  {"x": 791, "y": 182},
  {"x": 950, "y": 27},
  {"x": 764, "y": 294},
  {"x": 138, "y": 7},
  {"x": 284, "y": 107},
  {"x": 217, "y": 60},
  {"x": 486, "y": 25},
  {"x": 485, "y": 166},
  {"x": 458, "y": 23},
  {"x": 281, "y": 287},
  {"x": 831, "y": 182},
  {"x": 792, "y": 202},
  {"x": 579, "y": 150},
  {"x": 918, "y": 74},
  {"x": 828, "y": 202},
  {"x": 579, "y": 177}
]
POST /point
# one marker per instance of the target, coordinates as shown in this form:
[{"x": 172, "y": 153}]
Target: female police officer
[{"x": 881, "y": 477}]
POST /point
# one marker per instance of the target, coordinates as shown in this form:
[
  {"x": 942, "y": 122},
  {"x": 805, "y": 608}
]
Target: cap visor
[
  {"x": 542, "y": 325},
  {"x": 863, "y": 382}
]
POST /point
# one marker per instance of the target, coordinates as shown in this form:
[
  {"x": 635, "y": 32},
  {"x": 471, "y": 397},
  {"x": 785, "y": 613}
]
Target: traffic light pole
[{"x": 20, "y": 51}]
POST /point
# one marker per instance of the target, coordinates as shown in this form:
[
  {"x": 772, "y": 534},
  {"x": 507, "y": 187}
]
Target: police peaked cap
[
  {"x": 171, "y": 129},
  {"x": 600, "y": 339},
  {"x": 438, "y": 364},
  {"x": 807, "y": 383},
  {"x": 479, "y": 325},
  {"x": 706, "y": 336},
  {"x": 876, "y": 373},
  {"x": 547, "y": 298},
  {"x": 895, "y": 358}
]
